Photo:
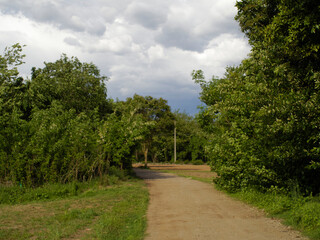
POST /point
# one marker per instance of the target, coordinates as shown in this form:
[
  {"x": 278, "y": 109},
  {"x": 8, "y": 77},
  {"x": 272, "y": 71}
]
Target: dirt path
[{"x": 182, "y": 208}]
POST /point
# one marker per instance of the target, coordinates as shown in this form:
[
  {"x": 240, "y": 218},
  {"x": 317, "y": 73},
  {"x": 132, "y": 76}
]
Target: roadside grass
[
  {"x": 301, "y": 213},
  {"x": 51, "y": 191},
  {"x": 195, "y": 175},
  {"x": 95, "y": 210}
]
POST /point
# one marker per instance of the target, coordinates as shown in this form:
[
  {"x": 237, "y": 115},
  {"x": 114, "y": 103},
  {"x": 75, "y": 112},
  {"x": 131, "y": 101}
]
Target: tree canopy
[
  {"x": 158, "y": 122},
  {"x": 48, "y": 123},
  {"x": 74, "y": 84},
  {"x": 263, "y": 115}
]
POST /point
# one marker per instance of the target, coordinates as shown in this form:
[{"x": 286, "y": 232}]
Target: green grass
[
  {"x": 186, "y": 174},
  {"x": 302, "y": 213},
  {"x": 201, "y": 179},
  {"x": 21, "y": 194},
  {"x": 94, "y": 211}
]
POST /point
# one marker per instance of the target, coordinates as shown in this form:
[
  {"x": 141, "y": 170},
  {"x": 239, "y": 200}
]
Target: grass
[
  {"x": 302, "y": 213},
  {"x": 195, "y": 175},
  {"x": 94, "y": 210}
]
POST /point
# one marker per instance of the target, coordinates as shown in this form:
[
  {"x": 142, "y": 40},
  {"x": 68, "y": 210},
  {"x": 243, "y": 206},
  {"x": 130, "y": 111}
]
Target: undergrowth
[
  {"x": 50, "y": 191},
  {"x": 303, "y": 213}
]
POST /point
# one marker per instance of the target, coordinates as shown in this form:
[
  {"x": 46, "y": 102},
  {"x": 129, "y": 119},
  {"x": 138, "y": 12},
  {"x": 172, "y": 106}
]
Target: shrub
[{"x": 197, "y": 162}]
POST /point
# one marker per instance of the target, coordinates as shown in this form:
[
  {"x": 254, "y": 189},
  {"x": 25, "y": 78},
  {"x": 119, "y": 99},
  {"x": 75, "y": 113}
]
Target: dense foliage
[
  {"x": 264, "y": 115},
  {"x": 59, "y": 125},
  {"x": 152, "y": 128},
  {"x": 49, "y": 123},
  {"x": 190, "y": 139}
]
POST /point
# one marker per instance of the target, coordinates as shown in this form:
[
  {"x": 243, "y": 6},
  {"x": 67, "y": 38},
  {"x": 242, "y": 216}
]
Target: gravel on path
[{"x": 185, "y": 209}]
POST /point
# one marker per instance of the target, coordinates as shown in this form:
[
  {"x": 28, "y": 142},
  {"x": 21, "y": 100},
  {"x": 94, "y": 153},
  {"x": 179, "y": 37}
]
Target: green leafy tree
[
  {"x": 14, "y": 109},
  {"x": 49, "y": 124},
  {"x": 190, "y": 139},
  {"x": 121, "y": 133},
  {"x": 74, "y": 84},
  {"x": 262, "y": 116},
  {"x": 60, "y": 147},
  {"x": 157, "y": 118}
]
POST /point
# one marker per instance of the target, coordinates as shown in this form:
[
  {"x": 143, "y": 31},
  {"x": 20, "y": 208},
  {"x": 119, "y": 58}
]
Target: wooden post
[{"x": 175, "y": 142}]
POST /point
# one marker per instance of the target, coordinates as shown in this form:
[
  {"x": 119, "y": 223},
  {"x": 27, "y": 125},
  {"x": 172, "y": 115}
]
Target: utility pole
[{"x": 175, "y": 142}]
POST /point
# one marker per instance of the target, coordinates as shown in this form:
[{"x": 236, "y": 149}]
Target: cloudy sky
[{"x": 148, "y": 47}]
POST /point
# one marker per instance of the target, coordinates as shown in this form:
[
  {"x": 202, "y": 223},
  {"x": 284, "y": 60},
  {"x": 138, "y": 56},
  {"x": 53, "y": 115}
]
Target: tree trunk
[
  {"x": 76, "y": 174},
  {"x": 154, "y": 158},
  {"x": 137, "y": 158},
  {"x": 145, "y": 152}
]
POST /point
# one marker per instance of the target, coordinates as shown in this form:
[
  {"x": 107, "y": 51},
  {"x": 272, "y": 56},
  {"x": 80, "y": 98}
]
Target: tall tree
[
  {"x": 14, "y": 108},
  {"x": 190, "y": 138},
  {"x": 263, "y": 114},
  {"x": 74, "y": 84},
  {"x": 157, "y": 118},
  {"x": 48, "y": 125}
]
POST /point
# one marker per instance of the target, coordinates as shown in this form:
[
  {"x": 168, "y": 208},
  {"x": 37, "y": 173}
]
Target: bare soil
[
  {"x": 189, "y": 167},
  {"x": 182, "y": 208}
]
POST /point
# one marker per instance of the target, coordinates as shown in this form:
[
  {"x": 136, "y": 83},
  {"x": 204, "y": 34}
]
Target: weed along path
[{"x": 182, "y": 208}]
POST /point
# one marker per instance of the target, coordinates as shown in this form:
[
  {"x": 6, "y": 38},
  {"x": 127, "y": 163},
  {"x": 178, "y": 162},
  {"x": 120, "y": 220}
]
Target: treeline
[
  {"x": 264, "y": 115},
  {"x": 59, "y": 125}
]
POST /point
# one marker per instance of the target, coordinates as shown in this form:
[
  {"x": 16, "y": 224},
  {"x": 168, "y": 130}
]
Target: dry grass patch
[
  {"x": 197, "y": 172},
  {"x": 200, "y": 174}
]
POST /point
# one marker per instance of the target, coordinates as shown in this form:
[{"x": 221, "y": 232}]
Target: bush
[
  {"x": 307, "y": 216},
  {"x": 17, "y": 194},
  {"x": 121, "y": 174},
  {"x": 197, "y": 162}
]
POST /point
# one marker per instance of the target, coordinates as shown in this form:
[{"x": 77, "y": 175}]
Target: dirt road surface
[{"x": 181, "y": 208}]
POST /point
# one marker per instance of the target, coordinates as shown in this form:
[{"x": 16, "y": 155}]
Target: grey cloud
[
  {"x": 97, "y": 28},
  {"x": 82, "y": 24},
  {"x": 64, "y": 15},
  {"x": 108, "y": 13},
  {"x": 195, "y": 26},
  {"x": 181, "y": 38},
  {"x": 149, "y": 16},
  {"x": 36, "y": 10},
  {"x": 181, "y": 94},
  {"x": 72, "y": 41},
  {"x": 45, "y": 12},
  {"x": 187, "y": 39},
  {"x": 222, "y": 26}
]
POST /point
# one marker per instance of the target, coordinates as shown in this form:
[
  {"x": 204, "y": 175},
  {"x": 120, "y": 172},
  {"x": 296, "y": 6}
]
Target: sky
[{"x": 147, "y": 47}]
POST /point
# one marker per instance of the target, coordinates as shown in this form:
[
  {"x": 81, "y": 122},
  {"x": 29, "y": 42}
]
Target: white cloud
[
  {"x": 226, "y": 50},
  {"x": 155, "y": 52},
  {"x": 145, "y": 47}
]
